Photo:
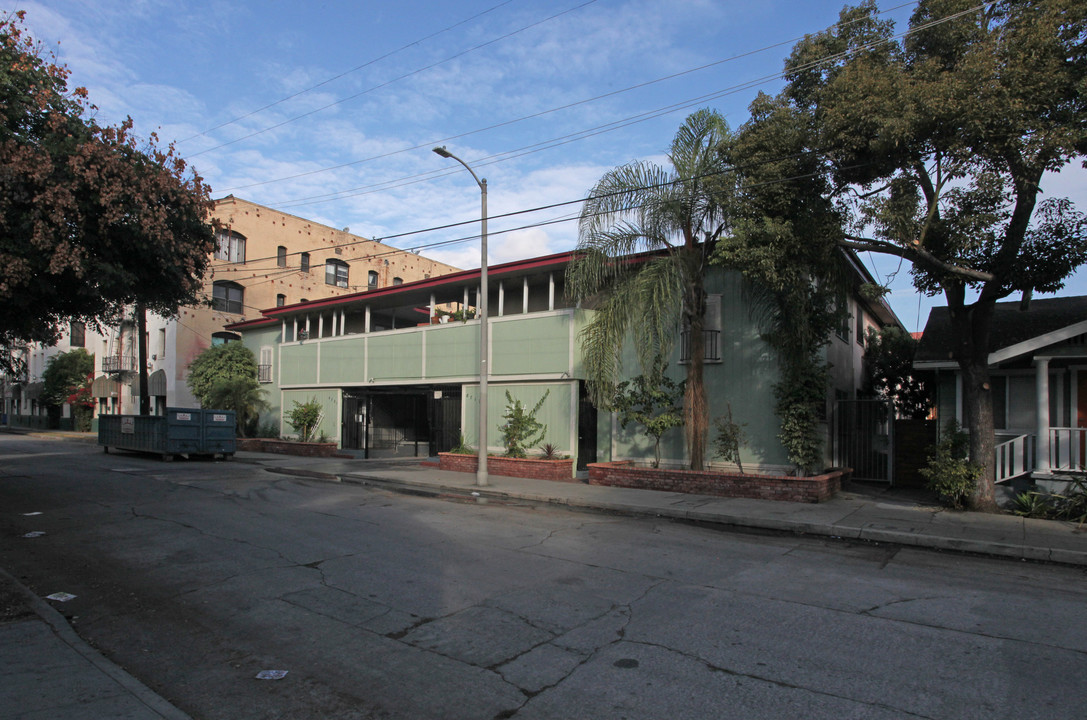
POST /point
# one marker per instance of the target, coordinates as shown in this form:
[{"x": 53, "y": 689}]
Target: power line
[
  {"x": 346, "y": 72},
  {"x": 394, "y": 80},
  {"x": 656, "y": 113}
]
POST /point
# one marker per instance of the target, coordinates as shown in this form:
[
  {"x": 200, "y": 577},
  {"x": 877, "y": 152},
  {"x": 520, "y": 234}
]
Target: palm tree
[{"x": 645, "y": 237}]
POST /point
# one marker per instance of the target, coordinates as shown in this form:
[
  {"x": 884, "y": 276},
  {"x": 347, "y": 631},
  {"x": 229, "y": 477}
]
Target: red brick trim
[
  {"x": 813, "y": 489},
  {"x": 535, "y": 468}
]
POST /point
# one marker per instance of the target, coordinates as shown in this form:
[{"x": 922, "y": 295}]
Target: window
[
  {"x": 371, "y": 281},
  {"x": 398, "y": 281},
  {"x": 228, "y": 297},
  {"x": 305, "y": 262},
  {"x": 77, "y": 334},
  {"x": 281, "y": 256},
  {"x": 230, "y": 246},
  {"x": 281, "y": 300},
  {"x": 264, "y": 367},
  {"x": 860, "y": 326},
  {"x": 222, "y": 338},
  {"x": 336, "y": 273},
  {"x": 711, "y": 332},
  {"x": 842, "y": 331}
]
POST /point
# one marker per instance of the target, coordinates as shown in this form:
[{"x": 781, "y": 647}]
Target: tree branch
[{"x": 916, "y": 255}]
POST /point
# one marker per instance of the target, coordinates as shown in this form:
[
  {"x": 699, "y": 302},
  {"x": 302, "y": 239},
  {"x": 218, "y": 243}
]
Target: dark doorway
[
  {"x": 443, "y": 409},
  {"x": 586, "y": 428},
  {"x": 355, "y": 414}
]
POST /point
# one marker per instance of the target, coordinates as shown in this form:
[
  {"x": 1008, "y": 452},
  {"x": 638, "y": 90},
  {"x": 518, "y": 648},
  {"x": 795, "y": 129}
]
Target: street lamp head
[{"x": 443, "y": 152}]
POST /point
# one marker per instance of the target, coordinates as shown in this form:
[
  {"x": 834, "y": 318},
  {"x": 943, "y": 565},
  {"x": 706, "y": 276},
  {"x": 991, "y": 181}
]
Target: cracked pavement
[{"x": 195, "y": 576}]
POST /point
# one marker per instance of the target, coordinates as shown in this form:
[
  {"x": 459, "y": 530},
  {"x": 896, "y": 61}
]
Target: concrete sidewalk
[
  {"x": 48, "y": 672},
  {"x": 869, "y": 513}
]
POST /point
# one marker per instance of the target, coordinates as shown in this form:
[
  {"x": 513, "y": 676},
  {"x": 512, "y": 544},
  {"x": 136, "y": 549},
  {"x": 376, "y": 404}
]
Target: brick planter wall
[
  {"x": 561, "y": 470},
  {"x": 816, "y": 488},
  {"x": 290, "y": 447}
]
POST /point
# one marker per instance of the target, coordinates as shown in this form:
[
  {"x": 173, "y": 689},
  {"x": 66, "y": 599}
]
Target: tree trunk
[
  {"x": 971, "y": 326},
  {"x": 694, "y": 396}
]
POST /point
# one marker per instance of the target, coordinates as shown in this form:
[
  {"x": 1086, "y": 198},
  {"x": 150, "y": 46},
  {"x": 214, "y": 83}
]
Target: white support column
[
  {"x": 1041, "y": 391},
  {"x": 501, "y": 299},
  {"x": 283, "y": 332},
  {"x": 551, "y": 291},
  {"x": 366, "y": 327},
  {"x": 343, "y": 322},
  {"x": 307, "y": 325},
  {"x": 295, "y": 336},
  {"x": 321, "y": 325},
  {"x": 524, "y": 303},
  {"x": 432, "y": 307},
  {"x": 464, "y": 304}
]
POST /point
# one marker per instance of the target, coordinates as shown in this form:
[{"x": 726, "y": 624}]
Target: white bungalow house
[{"x": 1038, "y": 367}]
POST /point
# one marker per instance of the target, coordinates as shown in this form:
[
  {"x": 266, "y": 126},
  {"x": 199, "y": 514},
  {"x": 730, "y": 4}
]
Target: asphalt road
[{"x": 197, "y": 576}]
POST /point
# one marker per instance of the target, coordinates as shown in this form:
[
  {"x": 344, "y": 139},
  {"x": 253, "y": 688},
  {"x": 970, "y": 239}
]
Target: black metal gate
[{"x": 863, "y": 432}]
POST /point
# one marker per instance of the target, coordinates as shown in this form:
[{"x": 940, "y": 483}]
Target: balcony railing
[
  {"x": 264, "y": 373},
  {"x": 115, "y": 364},
  {"x": 712, "y": 351}
]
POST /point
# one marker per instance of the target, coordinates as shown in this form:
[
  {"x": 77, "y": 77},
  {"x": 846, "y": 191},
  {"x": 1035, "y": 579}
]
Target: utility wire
[
  {"x": 661, "y": 111},
  {"x": 390, "y": 82},
  {"x": 345, "y": 73}
]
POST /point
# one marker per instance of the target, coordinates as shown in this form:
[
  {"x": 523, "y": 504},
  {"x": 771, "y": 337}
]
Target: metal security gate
[{"x": 864, "y": 438}]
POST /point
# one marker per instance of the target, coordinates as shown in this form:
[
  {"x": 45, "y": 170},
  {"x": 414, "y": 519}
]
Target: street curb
[
  {"x": 864, "y": 534},
  {"x": 69, "y": 637}
]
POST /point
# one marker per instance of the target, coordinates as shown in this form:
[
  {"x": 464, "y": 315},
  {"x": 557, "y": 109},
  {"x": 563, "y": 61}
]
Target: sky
[{"x": 329, "y": 109}]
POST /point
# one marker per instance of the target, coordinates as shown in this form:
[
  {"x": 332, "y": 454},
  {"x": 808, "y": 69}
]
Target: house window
[
  {"x": 711, "y": 331},
  {"x": 305, "y": 262},
  {"x": 371, "y": 280},
  {"x": 842, "y": 331},
  {"x": 281, "y": 256},
  {"x": 860, "y": 327},
  {"x": 222, "y": 338},
  {"x": 281, "y": 300},
  {"x": 336, "y": 273},
  {"x": 229, "y": 246},
  {"x": 228, "y": 297},
  {"x": 264, "y": 368},
  {"x": 77, "y": 334},
  {"x": 398, "y": 281}
]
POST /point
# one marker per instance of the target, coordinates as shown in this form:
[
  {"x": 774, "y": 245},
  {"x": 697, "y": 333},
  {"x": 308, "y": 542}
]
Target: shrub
[
  {"x": 730, "y": 438},
  {"x": 653, "y": 401},
  {"x": 304, "y": 418},
  {"x": 949, "y": 473},
  {"x": 521, "y": 430}
]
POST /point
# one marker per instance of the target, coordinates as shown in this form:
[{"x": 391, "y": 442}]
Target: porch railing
[
  {"x": 1067, "y": 446},
  {"x": 1014, "y": 458}
]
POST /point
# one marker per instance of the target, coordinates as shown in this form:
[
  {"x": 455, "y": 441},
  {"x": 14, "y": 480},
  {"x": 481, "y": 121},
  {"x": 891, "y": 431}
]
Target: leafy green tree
[
  {"x": 244, "y": 396},
  {"x": 785, "y": 242},
  {"x": 674, "y": 216},
  {"x": 229, "y": 361},
  {"x": 935, "y": 144},
  {"x": 730, "y": 437},
  {"x": 888, "y": 357},
  {"x": 653, "y": 401},
  {"x": 521, "y": 430},
  {"x": 91, "y": 219},
  {"x": 64, "y": 374}
]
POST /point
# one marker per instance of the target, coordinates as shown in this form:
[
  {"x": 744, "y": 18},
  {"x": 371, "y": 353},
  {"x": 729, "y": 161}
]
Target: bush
[
  {"x": 730, "y": 438},
  {"x": 304, "y": 418},
  {"x": 521, "y": 430},
  {"x": 218, "y": 363},
  {"x": 949, "y": 473}
]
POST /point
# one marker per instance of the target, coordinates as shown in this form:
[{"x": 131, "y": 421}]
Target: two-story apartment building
[{"x": 395, "y": 376}]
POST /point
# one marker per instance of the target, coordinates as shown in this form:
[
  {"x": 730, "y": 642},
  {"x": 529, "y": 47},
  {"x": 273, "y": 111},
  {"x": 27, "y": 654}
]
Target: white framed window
[{"x": 229, "y": 246}]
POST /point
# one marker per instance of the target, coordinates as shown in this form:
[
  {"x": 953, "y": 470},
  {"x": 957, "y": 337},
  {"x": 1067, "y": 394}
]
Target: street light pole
[{"x": 481, "y": 471}]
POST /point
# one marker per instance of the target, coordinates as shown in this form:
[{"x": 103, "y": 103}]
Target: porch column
[
  {"x": 524, "y": 299},
  {"x": 295, "y": 338},
  {"x": 1041, "y": 387},
  {"x": 366, "y": 327},
  {"x": 321, "y": 325},
  {"x": 551, "y": 291},
  {"x": 432, "y": 307},
  {"x": 501, "y": 298}
]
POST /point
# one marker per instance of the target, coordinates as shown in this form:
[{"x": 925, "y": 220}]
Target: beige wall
[{"x": 265, "y": 229}]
